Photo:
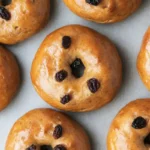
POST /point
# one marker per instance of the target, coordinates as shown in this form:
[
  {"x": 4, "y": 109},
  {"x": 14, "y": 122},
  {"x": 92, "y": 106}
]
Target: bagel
[
  {"x": 76, "y": 69},
  {"x": 143, "y": 60},
  {"x": 21, "y": 19},
  {"x": 44, "y": 129},
  {"x": 130, "y": 128},
  {"x": 103, "y": 11},
  {"x": 9, "y": 77}
]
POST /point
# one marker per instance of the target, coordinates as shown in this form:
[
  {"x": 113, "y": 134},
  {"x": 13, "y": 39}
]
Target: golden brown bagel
[
  {"x": 22, "y": 18},
  {"x": 143, "y": 60},
  {"x": 47, "y": 127},
  {"x": 130, "y": 128},
  {"x": 76, "y": 69},
  {"x": 9, "y": 77},
  {"x": 103, "y": 11}
]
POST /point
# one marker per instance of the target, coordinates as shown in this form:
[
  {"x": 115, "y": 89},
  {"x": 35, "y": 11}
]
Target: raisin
[
  {"x": 66, "y": 42},
  {"x": 93, "y": 85},
  {"x": 61, "y": 75},
  {"x": 57, "y": 132},
  {"x": 45, "y": 147},
  {"x": 65, "y": 99},
  {"x": 147, "y": 139},
  {"x": 32, "y": 147},
  {"x": 59, "y": 147},
  {"x": 77, "y": 68},
  {"x": 93, "y": 2},
  {"x": 4, "y": 13},
  {"x": 6, "y": 2},
  {"x": 139, "y": 123}
]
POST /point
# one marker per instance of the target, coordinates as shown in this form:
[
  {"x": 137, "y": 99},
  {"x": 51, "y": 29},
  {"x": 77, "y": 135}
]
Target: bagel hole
[
  {"x": 147, "y": 140},
  {"x": 6, "y": 2},
  {"x": 77, "y": 68}
]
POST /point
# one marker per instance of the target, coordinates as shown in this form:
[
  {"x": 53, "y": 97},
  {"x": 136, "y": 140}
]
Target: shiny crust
[
  {"x": 108, "y": 11},
  {"x": 37, "y": 126},
  {"x": 101, "y": 61},
  {"x": 143, "y": 60},
  {"x": 27, "y": 18},
  {"x": 9, "y": 77},
  {"x": 121, "y": 135}
]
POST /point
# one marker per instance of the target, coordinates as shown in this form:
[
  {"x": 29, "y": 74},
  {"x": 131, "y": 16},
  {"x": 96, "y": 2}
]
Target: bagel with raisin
[
  {"x": 46, "y": 129},
  {"x": 130, "y": 128},
  {"x": 77, "y": 69},
  {"x": 103, "y": 11},
  {"x": 21, "y": 19}
]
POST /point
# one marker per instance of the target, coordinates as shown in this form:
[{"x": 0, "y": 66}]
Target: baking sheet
[{"x": 127, "y": 35}]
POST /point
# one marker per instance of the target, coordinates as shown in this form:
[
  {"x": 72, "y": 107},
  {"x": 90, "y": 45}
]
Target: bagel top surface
[
  {"x": 43, "y": 129},
  {"x": 143, "y": 60},
  {"x": 22, "y": 18},
  {"x": 130, "y": 128},
  {"x": 9, "y": 77},
  {"x": 103, "y": 11},
  {"x": 76, "y": 69}
]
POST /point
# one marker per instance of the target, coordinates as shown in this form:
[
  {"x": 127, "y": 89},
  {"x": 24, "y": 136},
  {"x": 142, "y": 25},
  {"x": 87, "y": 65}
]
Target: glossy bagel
[
  {"x": 143, "y": 60},
  {"x": 43, "y": 129},
  {"x": 130, "y": 128},
  {"x": 76, "y": 69},
  {"x": 103, "y": 11},
  {"x": 9, "y": 77},
  {"x": 22, "y": 18}
]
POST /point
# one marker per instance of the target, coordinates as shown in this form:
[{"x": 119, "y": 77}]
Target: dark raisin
[
  {"x": 61, "y": 75},
  {"x": 139, "y": 123},
  {"x": 65, "y": 99},
  {"x": 77, "y": 68},
  {"x": 93, "y": 85},
  {"x": 57, "y": 132},
  {"x": 147, "y": 139},
  {"x": 93, "y": 2},
  {"x": 66, "y": 42},
  {"x": 59, "y": 147},
  {"x": 4, "y": 13},
  {"x": 32, "y": 147},
  {"x": 45, "y": 147},
  {"x": 6, "y": 2}
]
